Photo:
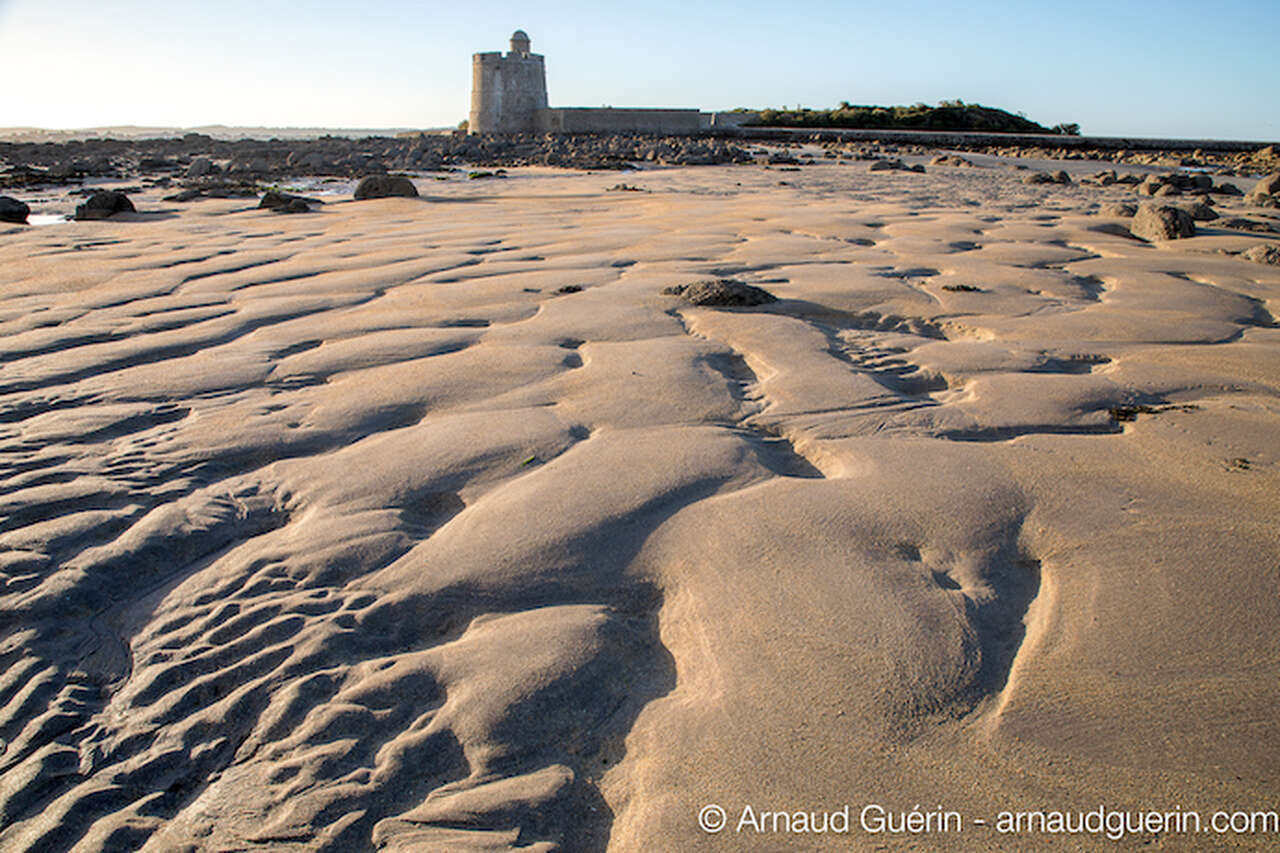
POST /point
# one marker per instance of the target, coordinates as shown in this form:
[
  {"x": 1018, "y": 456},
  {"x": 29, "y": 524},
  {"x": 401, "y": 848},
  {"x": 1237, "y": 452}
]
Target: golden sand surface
[{"x": 434, "y": 525}]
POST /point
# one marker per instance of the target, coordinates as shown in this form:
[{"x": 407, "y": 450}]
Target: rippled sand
[{"x": 348, "y": 530}]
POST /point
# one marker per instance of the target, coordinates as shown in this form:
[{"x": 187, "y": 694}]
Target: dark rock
[
  {"x": 157, "y": 164},
  {"x": 102, "y": 205},
  {"x": 1269, "y": 185},
  {"x": 249, "y": 166},
  {"x": 295, "y": 205},
  {"x": 1266, "y": 192},
  {"x": 64, "y": 172},
  {"x": 286, "y": 202},
  {"x": 12, "y": 210},
  {"x": 721, "y": 292},
  {"x": 1161, "y": 222},
  {"x": 86, "y": 192},
  {"x": 199, "y": 167},
  {"x": 185, "y": 195},
  {"x": 1061, "y": 177},
  {"x": 385, "y": 186},
  {"x": 1201, "y": 212},
  {"x": 1120, "y": 209},
  {"x": 1239, "y": 224},
  {"x": 1038, "y": 178},
  {"x": 894, "y": 165},
  {"x": 1262, "y": 254},
  {"x": 219, "y": 189}
]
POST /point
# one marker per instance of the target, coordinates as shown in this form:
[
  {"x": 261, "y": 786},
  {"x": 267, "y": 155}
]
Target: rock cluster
[
  {"x": 1177, "y": 183},
  {"x": 281, "y": 202},
  {"x": 197, "y": 159},
  {"x": 1058, "y": 177},
  {"x": 721, "y": 292},
  {"x": 894, "y": 165}
]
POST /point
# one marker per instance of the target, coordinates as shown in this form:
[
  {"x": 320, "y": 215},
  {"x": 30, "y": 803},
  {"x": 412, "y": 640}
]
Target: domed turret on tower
[{"x": 520, "y": 43}]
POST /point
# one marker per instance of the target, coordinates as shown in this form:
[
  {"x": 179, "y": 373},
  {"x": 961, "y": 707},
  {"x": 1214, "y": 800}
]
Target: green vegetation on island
[{"x": 947, "y": 115}]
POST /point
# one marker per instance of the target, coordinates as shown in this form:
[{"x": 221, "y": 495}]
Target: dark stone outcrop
[
  {"x": 200, "y": 167},
  {"x": 1119, "y": 209},
  {"x": 721, "y": 292},
  {"x": 385, "y": 186},
  {"x": 286, "y": 202},
  {"x": 1266, "y": 192},
  {"x": 949, "y": 160},
  {"x": 1238, "y": 223},
  {"x": 1161, "y": 222},
  {"x": 1262, "y": 254},
  {"x": 1201, "y": 212},
  {"x": 894, "y": 165},
  {"x": 214, "y": 189},
  {"x": 102, "y": 205},
  {"x": 12, "y": 210}
]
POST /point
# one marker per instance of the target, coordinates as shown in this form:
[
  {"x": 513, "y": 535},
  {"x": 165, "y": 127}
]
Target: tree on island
[{"x": 947, "y": 115}]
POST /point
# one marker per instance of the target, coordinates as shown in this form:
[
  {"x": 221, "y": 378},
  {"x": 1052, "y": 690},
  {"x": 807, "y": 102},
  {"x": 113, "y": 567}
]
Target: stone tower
[{"x": 509, "y": 93}]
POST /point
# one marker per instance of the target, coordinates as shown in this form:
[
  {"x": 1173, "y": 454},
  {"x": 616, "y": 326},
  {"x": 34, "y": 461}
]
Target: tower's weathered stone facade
[{"x": 509, "y": 93}]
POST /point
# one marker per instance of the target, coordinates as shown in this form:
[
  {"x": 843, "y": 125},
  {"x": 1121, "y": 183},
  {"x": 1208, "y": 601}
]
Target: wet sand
[{"x": 433, "y": 524}]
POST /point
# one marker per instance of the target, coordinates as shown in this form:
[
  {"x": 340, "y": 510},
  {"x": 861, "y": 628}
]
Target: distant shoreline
[{"x": 216, "y": 131}]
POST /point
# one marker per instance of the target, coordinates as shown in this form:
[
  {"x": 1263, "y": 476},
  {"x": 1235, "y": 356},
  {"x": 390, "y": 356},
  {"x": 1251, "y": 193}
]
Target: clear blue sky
[{"x": 1142, "y": 67}]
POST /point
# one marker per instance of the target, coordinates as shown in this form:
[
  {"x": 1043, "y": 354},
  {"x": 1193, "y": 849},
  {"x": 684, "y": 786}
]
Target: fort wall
[{"x": 611, "y": 120}]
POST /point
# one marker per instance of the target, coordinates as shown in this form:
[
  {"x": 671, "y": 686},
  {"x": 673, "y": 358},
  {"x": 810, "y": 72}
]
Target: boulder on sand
[
  {"x": 1161, "y": 222},
  {"x": 721, "y": 292},
  {"x": 1262, "y": 254},
  {"x": 1201, "y": 212},
  {"x": 286, "y": 202},
  {"x": 385, "y": 186},
  {"x": 1266, "y": 192},
  {"x": 12, "y": 210},
  {"x": 102, "y": 205},
  {"x": 1119, "y": 209}
]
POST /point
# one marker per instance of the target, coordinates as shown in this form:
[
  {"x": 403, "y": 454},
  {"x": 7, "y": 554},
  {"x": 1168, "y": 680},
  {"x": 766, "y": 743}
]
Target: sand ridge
[{"x": 352, "y": 530}]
